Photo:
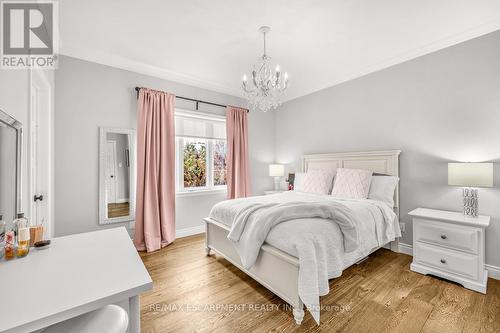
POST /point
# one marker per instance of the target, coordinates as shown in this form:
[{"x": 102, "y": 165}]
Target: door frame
[{"x": 39, "y": 84}]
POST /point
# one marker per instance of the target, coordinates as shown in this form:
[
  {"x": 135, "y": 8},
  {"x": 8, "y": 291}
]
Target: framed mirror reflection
[
  {"x": 11, "y": 168},
  {"x": 117, "y": 175}
]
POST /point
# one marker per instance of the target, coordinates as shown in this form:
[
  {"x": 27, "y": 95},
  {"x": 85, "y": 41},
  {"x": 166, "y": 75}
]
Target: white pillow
[
  {"x": 318, "y": 181},
  {"x": 298, "y": 183},
  {"x": 382, "y": 189},
  {"x": 352, "y": 183}
]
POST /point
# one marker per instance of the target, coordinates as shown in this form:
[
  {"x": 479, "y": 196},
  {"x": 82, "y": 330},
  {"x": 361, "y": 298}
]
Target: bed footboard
[{"x": 274, "y": 269}]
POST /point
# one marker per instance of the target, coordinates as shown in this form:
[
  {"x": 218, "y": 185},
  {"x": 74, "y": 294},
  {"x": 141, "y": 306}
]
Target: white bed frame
[{"x": 279, "y": 271}]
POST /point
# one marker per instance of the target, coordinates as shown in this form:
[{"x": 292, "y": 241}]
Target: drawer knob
[
  {"x": 443, "y": 237},
  {"x": 443, "y": 261}
]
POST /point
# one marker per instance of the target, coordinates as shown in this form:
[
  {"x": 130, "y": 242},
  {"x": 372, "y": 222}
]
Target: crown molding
[
  {"x": 477, "y": 31},
  {"x": 128, "y": 64},
  {"x": 125, "y": 63}
]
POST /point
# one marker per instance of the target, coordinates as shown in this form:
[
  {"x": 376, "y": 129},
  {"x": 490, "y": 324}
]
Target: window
[
  {"x": 219, "y": 150},
  {"x": 200, "y": 152}
]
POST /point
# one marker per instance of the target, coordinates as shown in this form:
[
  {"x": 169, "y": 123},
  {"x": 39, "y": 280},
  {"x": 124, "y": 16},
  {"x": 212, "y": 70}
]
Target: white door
[
  {"x": 110, "y": 172},
  {"x": 40, "y": 152}
]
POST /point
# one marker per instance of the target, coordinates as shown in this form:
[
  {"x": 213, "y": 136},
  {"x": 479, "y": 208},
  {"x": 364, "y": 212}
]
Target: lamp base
[
  {"x": 277, "y": 183},
  {"x": 471, "y": 204}
]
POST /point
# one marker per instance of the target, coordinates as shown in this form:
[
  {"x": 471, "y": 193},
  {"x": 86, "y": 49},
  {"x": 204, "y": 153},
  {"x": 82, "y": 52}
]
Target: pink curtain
[
  {"x": 238, "y": 180},
  {"x": 155, "y": 200}
]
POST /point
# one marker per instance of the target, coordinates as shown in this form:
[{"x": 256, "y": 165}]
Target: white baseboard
[
  {"x": 406, "y": 249},
  {"x": 493, "y": 271},
  {"x": 181, "y": 232},
  {"x": 189, "y": 231}
]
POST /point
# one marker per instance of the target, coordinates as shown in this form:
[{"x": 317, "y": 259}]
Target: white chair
[{"x": 108, "y": 319}]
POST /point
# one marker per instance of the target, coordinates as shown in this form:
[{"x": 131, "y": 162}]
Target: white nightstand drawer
[
  {"x": 453, "y": 236},
  {"x": 448, "y": 260},
  {"x": 450, "y": 245}
]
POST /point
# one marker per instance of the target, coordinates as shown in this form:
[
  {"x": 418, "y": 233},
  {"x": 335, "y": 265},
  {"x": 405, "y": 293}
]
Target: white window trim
[
  {"x": 179, "y": 163},
  {"x": 202, "y": 192}
]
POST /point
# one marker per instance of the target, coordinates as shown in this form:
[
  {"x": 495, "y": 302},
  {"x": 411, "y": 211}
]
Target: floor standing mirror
[{"x": 116, "y": 175}]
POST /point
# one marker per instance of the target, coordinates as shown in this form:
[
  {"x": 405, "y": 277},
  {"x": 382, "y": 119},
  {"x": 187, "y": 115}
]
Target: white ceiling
[{"x": 211, "y": 43}]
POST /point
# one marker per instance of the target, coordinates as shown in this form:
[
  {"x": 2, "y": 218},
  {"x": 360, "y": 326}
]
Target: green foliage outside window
[
  {"x": 219, "y": 163},
  {"x": 195, "y": 164}
]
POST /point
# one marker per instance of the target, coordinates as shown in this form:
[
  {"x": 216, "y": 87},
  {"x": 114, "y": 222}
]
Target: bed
[{"x": 283, "y": 263}]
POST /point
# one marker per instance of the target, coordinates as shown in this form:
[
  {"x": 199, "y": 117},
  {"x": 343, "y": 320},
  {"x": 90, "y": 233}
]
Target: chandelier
[{"x": 266, "y": 86}]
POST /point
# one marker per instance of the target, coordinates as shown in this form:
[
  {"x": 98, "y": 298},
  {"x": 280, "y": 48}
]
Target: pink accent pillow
[
  {"x": 352, "y": 183},
  {"x": 317, "y": 181}
]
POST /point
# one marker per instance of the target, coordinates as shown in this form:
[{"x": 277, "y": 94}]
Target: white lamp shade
[
  {"x": 470, "y": 174},
  {"x": 276, "y": 170}
]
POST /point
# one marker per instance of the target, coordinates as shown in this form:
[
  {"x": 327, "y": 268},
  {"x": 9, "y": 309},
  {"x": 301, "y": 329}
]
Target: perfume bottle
[
  {"x": 23, "y": 242},
  {"x": 23, "y": 235},
  {"x": 20, "y": 222},
  {"x": 9, "y": 245}
]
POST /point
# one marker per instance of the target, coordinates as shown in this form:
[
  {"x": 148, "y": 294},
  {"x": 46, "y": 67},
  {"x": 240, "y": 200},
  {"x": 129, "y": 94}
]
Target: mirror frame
[
  {"x": 9, "y": 121},
  {"x": 103, "y": 131}
]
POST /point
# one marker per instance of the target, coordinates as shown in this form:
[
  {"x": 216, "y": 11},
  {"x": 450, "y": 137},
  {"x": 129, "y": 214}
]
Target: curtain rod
[{"x": 197, "y": 101}]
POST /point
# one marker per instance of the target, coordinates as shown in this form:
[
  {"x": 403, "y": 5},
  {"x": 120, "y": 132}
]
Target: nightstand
[
  {"x": 273, "y": 192},
  {"x": 450, "y": 245}
]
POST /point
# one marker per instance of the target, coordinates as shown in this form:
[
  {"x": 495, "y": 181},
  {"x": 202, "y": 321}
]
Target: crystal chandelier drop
[{"x": 266, "y": 86}]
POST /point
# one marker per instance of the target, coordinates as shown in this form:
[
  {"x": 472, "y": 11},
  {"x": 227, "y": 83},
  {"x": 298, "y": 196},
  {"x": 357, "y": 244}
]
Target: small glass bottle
[
  {"x": 20, "y": 222},
  {"x": 23, "y": 235},
  {"x": 10, "y": 246},
  {"x": 23, "y": 242}
]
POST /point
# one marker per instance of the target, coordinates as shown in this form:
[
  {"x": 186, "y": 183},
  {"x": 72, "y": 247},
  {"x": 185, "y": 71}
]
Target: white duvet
[{"x": 324, "y": 246}]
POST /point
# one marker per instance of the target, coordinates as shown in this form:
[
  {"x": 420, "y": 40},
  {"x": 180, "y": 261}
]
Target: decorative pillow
[
  {"x": 318, "y": 181},
  {"x": 352, "y": 183},
  {"x": 382, "y": 189},
  {"x": 298, "y": 184}
]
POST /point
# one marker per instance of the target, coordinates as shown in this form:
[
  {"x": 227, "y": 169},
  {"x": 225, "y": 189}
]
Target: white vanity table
[{"x": 75, "y": 275}]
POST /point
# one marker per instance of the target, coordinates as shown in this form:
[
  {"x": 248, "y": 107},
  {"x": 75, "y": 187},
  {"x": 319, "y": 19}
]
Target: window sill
[{"x": 201, "y": 192}]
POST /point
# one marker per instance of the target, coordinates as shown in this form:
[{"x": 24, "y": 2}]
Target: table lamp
[
  {"x": 470, "y": 176},
  {"x": 277, "y": 171}
]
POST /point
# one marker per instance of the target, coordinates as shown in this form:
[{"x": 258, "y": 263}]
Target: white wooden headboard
[{"x": 384, "y": 162}]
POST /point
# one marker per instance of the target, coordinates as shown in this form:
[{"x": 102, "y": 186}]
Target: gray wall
[
  {"x": 437, "y": 108},
  {"x": 89, "y": 95}
]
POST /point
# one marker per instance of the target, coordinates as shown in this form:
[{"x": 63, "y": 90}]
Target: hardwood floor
[
  {"x": 195, "y": 293},
  {"x": 118, "y": 209}
]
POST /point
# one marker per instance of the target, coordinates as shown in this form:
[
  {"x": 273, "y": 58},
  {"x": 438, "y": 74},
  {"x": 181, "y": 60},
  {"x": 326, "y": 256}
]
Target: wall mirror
[
  {"x": 116, "y": 175},
  {"x": 11, "y": 171}
]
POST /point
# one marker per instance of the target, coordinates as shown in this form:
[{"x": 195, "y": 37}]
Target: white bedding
[
  {"x": 317, "y": 242},
  {"x": 252, "y": 224}
]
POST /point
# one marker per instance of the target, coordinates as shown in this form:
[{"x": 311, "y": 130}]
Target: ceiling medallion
[{"x": 266, "y": 86}]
